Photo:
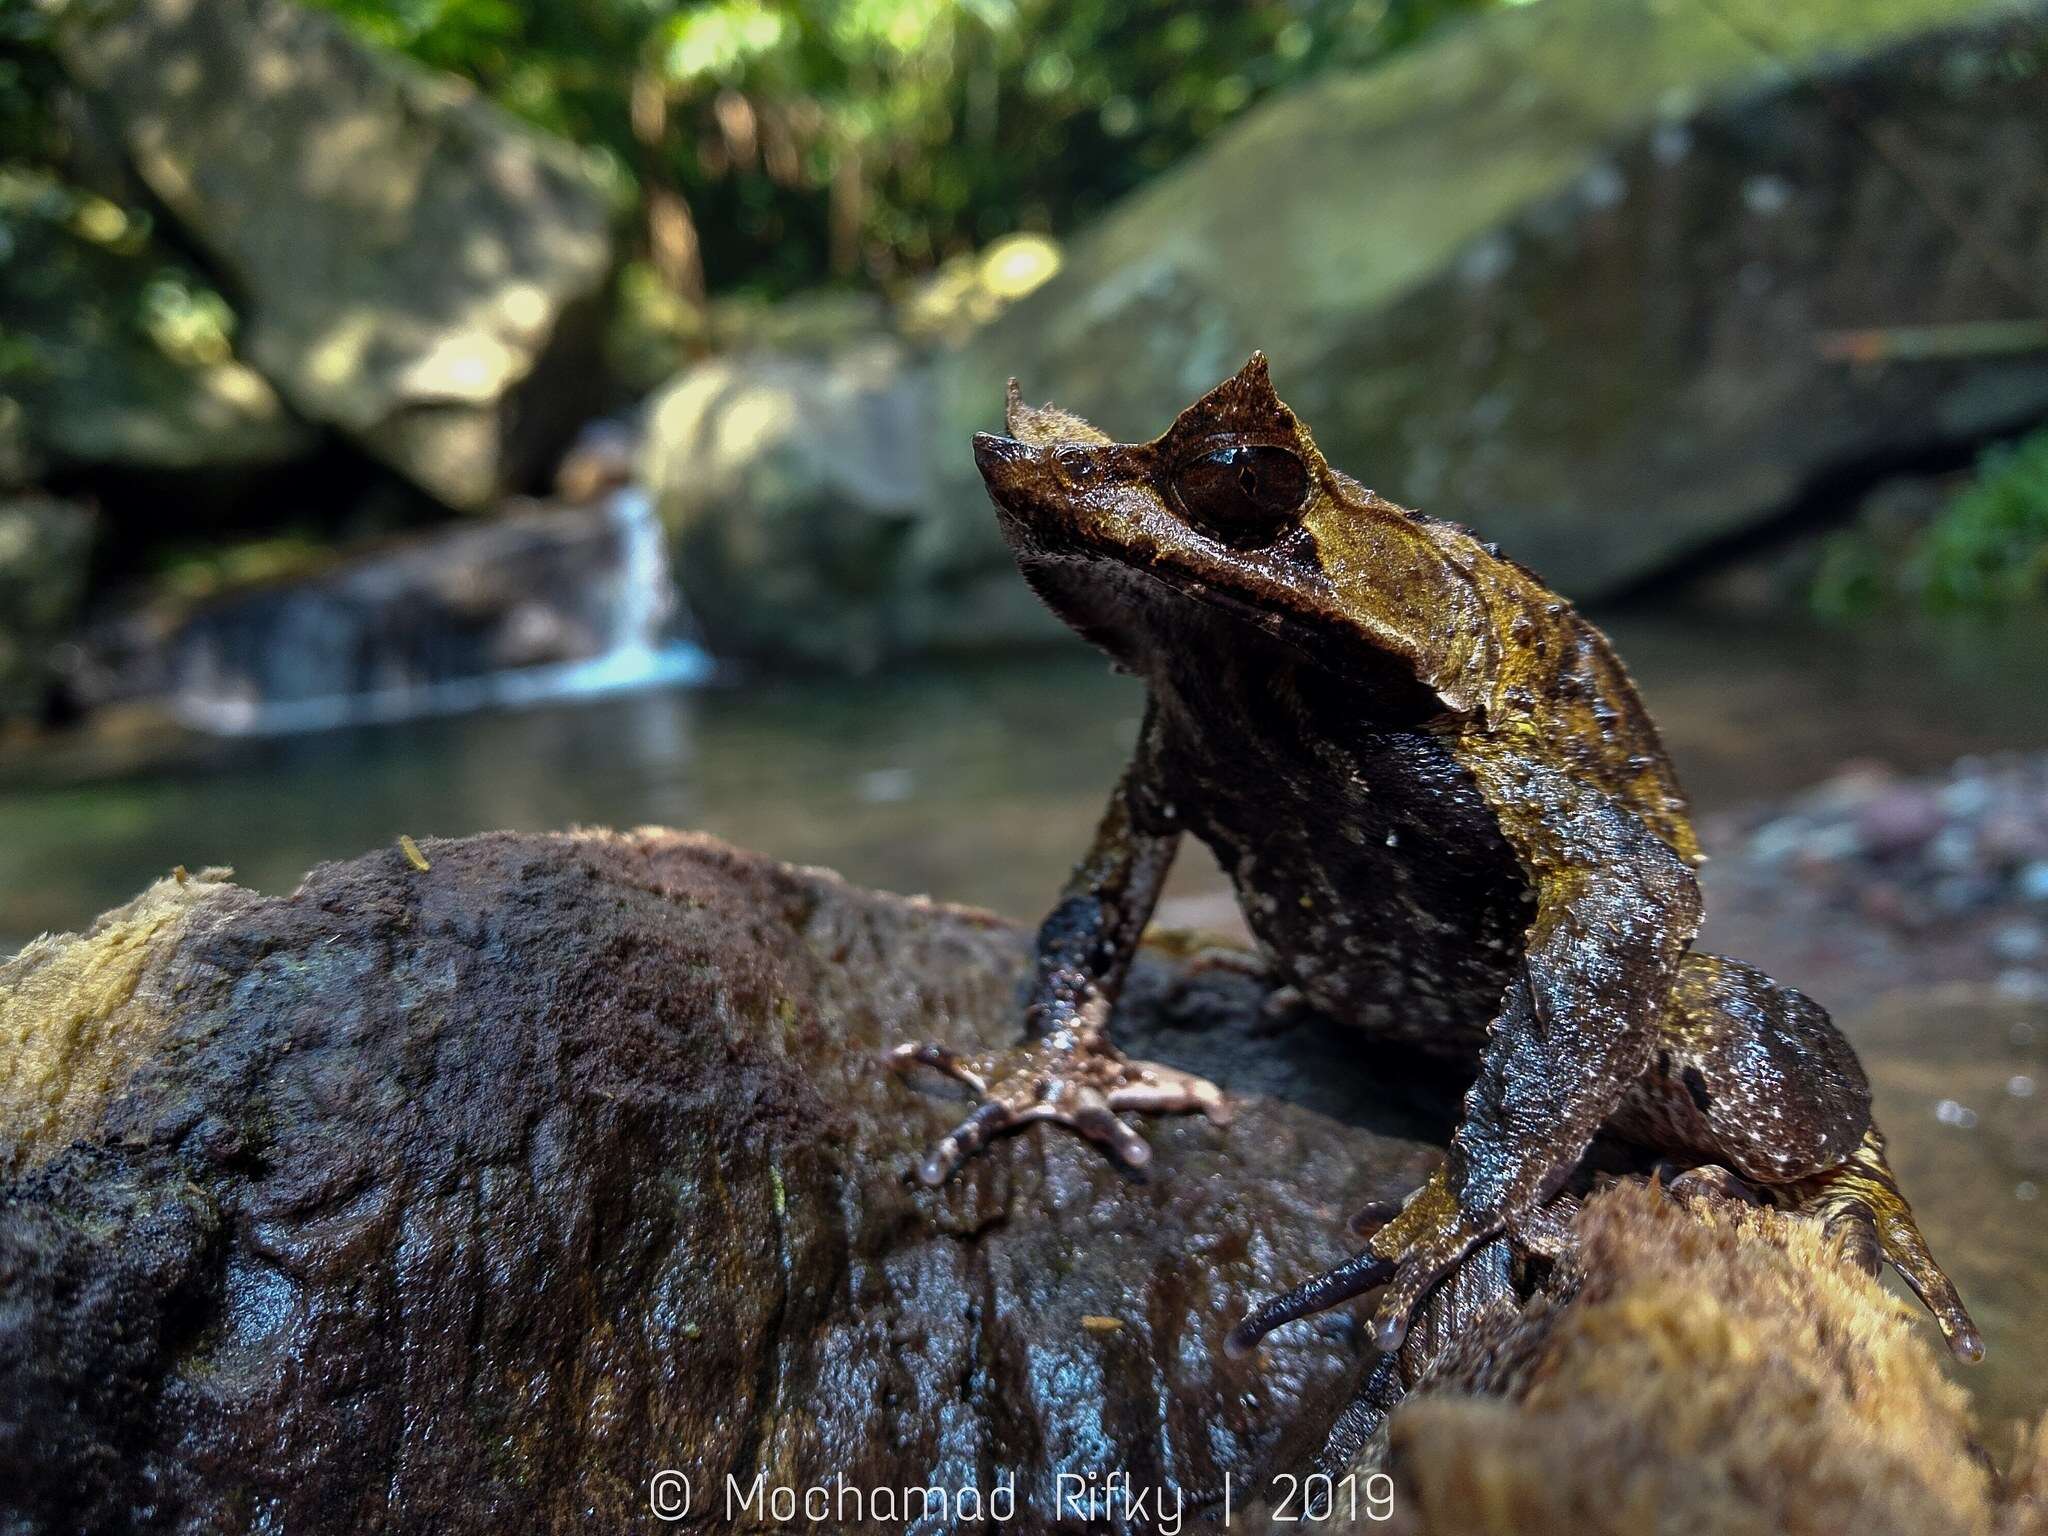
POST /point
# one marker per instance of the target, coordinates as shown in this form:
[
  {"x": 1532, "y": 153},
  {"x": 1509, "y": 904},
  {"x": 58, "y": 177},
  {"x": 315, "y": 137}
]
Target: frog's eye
[
  {"x": 1077, "y": 464},
  {"x": 1248, "y": 493}
]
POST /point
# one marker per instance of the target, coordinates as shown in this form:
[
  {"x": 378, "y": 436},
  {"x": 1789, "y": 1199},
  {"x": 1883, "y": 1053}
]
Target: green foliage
[
  {"x": 1989, "y": 548},
  {"x": 1985, "y": 552},
  {"x": 801, "y": 138}
]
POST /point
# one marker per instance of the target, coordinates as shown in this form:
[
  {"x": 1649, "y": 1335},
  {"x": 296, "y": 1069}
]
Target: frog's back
[
  {"x": 1557, "y": 692},
  {"x": 1363, "y": 834}
]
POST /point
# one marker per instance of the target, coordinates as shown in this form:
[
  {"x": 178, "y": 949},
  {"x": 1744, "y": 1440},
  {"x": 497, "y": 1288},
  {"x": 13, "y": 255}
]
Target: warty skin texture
[{"x": 1449, "y": 821}]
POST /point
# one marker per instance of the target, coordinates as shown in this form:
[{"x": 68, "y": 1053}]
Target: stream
[{"x": 975, "y": 782}]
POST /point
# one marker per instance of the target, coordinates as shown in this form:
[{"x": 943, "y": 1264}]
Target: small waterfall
[
  {"x": 634, "y": 609},
  {"x": 650, "y": 643}
]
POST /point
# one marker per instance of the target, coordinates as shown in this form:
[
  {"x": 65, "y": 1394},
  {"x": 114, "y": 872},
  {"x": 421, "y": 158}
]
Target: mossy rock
[{"x": 1568, "y": 272}]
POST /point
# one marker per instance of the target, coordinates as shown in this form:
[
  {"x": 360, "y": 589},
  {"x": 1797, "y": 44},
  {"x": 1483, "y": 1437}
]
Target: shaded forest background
[{"x": 758, "y": 152}]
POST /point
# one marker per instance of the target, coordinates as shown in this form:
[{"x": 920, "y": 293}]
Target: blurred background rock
[{"x": 365, "y": 361}]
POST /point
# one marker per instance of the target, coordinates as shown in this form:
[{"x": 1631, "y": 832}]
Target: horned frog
[{"x": 1448, "y": 820}]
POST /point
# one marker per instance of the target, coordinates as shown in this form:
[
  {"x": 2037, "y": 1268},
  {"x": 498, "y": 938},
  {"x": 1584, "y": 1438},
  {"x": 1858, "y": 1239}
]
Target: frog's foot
[
  {"x": 1858, "y": 1204},
  {"x": 1711, "y": 1179},
  {"x": 1858, "y": 1201},
  {"x": 1408, "y": 1251},
  {"x": 1071, "y": 1077}
]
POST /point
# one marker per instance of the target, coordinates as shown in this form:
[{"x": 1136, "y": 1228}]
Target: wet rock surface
[
  {"x": 472, "y": 1196},
  {"x": 1880, "y": 880},
  {"x": 468, "y": 1197}
]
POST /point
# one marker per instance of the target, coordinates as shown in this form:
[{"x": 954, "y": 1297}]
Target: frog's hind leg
[{"x": 1754, "y": 1076}]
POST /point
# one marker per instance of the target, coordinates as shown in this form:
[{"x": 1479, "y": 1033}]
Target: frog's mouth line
[
  {"x": 1106, "y": 608},
  {"x": 1111, "y": 594}
]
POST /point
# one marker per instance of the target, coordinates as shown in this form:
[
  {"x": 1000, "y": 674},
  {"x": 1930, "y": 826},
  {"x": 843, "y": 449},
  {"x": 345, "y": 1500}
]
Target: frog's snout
[
  {"x": 994, "y": 454},
  {"x": 1011, "y": 469}
]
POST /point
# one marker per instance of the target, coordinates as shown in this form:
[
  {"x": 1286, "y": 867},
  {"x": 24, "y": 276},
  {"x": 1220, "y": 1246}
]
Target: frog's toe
[
  {"x": 1371, "y": 1216},
  {"x": 1354, "y": 1277},
  {"x": 1085, "y": 1087},
  {"x": 1711, "y": 1179},
  {"x": 1872, "y": 1235},
  {"x": 1410, "y": 1250},
  {"x": 939, "y": 1058},
  {"x": 1858, "y": 1203},
  {"x": 1151, "y": 1089},
  {"x": 1421, "y": 1267},
  {"x": 964, "y": 1140}
]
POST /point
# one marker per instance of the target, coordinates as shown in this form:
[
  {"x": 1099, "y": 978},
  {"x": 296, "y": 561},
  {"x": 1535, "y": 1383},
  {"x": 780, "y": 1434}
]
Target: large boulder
[
  {"x": 418, "y": 270},
  {"x": 99, "y": 369},
  {"x": 804, "y": 517},
  {"x": 45, "y": 546},
  {"x": 470, "y": 1186},
  {"x": 1568, "y": 272}
]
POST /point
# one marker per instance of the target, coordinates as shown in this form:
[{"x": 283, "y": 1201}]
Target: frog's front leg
[
  {"x": 1066, "y": 1071},
  {"x": 1616, "y": 909},
  {"x": 1752, "y": 1076}
]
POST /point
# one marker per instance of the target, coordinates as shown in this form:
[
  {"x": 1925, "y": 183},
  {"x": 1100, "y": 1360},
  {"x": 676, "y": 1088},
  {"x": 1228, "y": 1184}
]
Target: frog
[{"x": 1449, "y": 822}]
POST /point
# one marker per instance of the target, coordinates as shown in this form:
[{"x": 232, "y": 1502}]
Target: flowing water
[
  {"x": 976, "y": 783},
  {"x": 635, "y": 644}
]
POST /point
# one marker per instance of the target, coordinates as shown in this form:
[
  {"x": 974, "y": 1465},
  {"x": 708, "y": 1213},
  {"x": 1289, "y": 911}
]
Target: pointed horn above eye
[
  {"x": 1043, "y": 424},
  {"x": 1255, "y": 379},
  {"x": 1244, "y": 402}
]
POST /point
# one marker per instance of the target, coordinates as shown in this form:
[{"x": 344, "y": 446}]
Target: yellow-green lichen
[{"x": 75, "y": 1017}]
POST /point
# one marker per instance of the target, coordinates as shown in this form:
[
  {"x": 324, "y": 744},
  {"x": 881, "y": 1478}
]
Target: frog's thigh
[{"x": 1750, "y": 1074}]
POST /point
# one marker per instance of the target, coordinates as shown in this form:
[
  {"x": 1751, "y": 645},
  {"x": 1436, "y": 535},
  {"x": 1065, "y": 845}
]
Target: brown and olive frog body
[{"x": 1449, "y": 821}]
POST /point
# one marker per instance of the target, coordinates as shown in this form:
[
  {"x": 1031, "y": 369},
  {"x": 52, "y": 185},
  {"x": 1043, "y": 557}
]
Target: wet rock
[
  {"x": 602, "y": 458},
  {"x": 1711, "y": 1369},
  {"x": 496, "y": 611},
  {"x": 44, "y": 547},
  {"x": 1588, "y": 312},
  {"x": 803, "y": 513},
  {"x": 1920, "y": 880},
  {"x": 418, "y": 270},
  {"x": 1900, "y": 821},
  {"x": 469, "y": 1196}
]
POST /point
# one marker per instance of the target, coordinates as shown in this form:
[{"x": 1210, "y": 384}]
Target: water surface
[{"x": 976, "y": 783}]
